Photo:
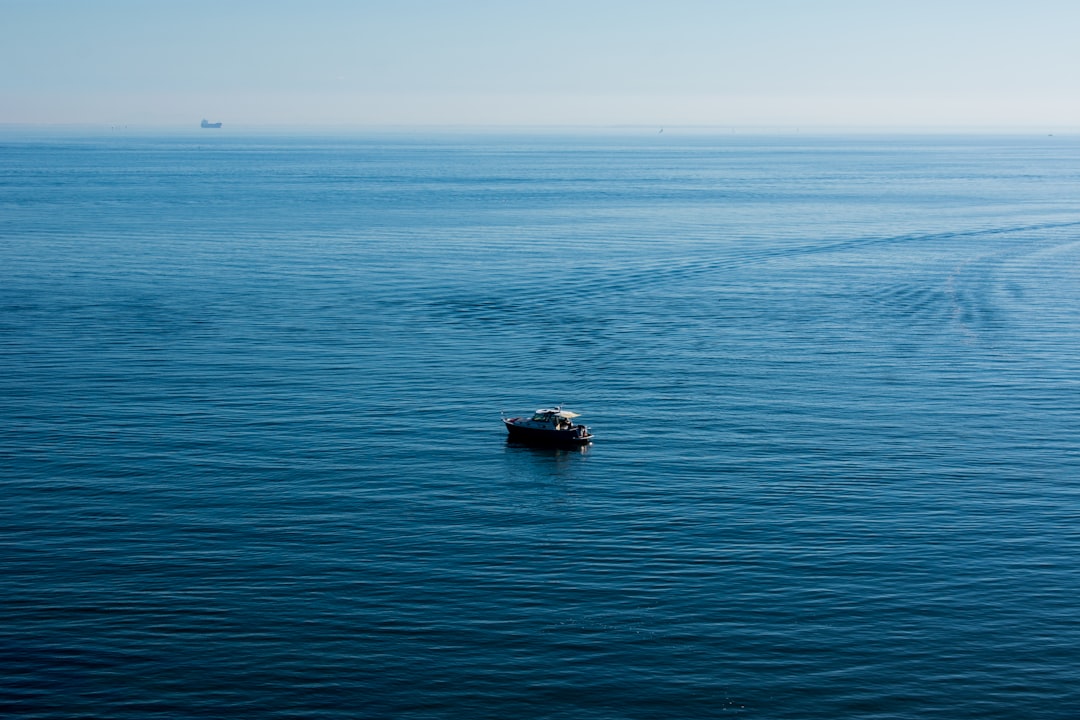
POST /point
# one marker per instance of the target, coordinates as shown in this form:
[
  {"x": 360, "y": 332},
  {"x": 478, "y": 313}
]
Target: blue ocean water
[{"x": 253, "y": 464}]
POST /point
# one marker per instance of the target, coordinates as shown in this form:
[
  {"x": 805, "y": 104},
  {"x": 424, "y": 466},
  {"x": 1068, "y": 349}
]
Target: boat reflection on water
[
  {"x": 553, "y": 449},
  {"x": 542, "y": 464}
]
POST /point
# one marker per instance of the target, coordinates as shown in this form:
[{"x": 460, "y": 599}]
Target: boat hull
[{"x": 540, "y": 436}]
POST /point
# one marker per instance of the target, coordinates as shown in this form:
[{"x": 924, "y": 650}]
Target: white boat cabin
[{"x": 551, "y": 419}]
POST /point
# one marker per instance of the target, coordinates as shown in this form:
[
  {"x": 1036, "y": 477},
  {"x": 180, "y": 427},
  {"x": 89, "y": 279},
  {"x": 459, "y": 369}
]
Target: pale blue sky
[{"x": 574, "y": 62}]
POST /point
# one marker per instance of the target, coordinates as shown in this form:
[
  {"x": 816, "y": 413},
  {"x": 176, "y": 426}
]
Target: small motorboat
[{"x": 548, "y": 426}]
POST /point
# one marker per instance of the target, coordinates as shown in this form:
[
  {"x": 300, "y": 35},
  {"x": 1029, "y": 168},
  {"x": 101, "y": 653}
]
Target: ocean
[{"x": 253, "y": 462}]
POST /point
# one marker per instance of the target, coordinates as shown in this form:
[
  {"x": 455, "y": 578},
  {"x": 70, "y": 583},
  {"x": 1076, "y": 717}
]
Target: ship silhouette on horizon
[{"x": 206, "y": 124}]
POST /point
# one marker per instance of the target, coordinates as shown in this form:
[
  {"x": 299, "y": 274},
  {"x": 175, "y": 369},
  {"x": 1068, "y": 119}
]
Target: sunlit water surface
[{"x": 253, "y": 464}]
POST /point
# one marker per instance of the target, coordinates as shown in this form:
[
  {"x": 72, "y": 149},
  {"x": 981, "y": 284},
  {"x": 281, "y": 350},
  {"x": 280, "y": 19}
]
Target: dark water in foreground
[{"x": 253, "y": 464}]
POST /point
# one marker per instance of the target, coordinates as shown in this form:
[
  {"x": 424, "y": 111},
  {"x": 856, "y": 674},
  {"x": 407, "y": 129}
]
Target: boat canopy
[{"x": 558, "y": 412}]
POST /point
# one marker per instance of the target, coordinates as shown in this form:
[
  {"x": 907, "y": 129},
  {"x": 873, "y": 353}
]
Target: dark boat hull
[{"x": 546, "y": 437}]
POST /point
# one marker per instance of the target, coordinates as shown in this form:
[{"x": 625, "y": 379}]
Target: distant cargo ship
[{"x": 210, "y": 124}]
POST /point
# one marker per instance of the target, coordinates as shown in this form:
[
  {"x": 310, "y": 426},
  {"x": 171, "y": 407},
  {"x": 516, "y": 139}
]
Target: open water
[{"x": 252, "y": 462}]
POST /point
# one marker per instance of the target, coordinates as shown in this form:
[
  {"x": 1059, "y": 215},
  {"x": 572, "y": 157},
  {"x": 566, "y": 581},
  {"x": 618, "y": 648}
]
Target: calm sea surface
[{"x": 252, "y": 463}]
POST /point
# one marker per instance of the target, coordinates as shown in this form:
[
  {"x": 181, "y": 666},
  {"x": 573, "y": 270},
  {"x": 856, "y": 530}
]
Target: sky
[{"x": 782, "y": 63}]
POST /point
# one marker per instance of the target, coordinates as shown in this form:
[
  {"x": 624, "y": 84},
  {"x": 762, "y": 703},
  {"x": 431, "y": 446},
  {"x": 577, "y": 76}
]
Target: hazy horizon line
[{"x": 519, "y": 127}]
